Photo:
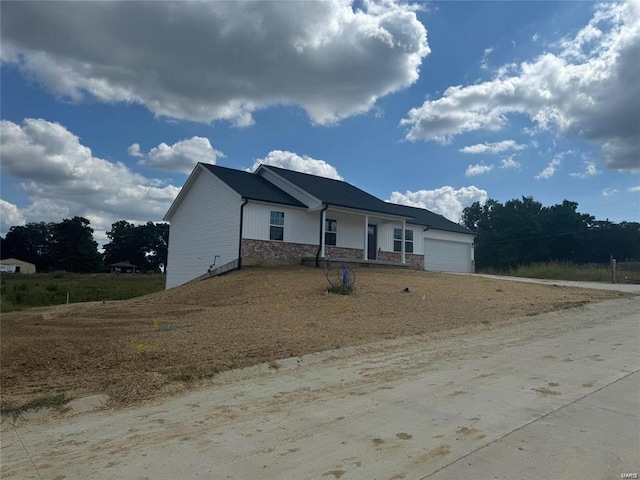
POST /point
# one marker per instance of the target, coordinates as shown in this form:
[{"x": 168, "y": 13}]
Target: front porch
[{"x": 363, "y": 237}]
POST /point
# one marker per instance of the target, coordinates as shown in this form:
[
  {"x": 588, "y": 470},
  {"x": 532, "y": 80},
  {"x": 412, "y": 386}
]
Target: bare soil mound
[{"x": 150, "y": 346}]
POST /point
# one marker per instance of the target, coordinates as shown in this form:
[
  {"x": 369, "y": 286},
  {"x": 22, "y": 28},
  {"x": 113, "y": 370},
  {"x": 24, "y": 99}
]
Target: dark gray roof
[
  {"x": 123, "y": 264},
  {"x": 329, "y": 191},
  {"x": 252, "y": 187},
  {"x": 334, "y": 192},
  {"x": 342, "y": 194},
  {"x": 421, "y": 216}
]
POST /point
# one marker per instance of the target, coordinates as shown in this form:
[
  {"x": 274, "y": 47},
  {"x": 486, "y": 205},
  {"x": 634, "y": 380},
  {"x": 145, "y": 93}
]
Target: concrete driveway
[
  {"x": 616, "y": 287},
  {"x": 556, "y": 397}
]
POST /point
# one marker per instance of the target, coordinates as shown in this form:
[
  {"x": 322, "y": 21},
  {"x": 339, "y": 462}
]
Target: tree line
[
  {"x": 69, "y": 245},
  {"x": 522, "y": 231}
]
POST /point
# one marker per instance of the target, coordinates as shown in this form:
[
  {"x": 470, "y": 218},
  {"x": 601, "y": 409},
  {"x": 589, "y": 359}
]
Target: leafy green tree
[
  {"x": 73, "y": 248},
  {"x": 31, "y": 243},
  {"x": 144, "y": 245},
  {"x": 606, "y": 238},
  {"x": 123, "y": 246},
  {"x": 156, "y": 241},
  {"x": 522, "y": 231}
]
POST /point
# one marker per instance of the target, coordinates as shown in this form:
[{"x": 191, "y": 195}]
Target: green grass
[
  {"x": 19, "y": 291},
  {"x": 14, "y": 410},
  {"x": 568, "y": 271}
]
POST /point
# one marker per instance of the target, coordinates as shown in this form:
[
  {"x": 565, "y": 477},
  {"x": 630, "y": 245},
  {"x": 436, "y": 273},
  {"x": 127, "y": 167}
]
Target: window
[
  {"x": 408, "y": 241},
  {"x": 397, "y": 240},
  {"x": 330, "y": 231},
  {"x": 276, "y": 226}
]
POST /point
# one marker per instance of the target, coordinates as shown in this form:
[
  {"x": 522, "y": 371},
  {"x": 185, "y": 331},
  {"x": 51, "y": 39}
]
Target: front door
[{"x": 372, "y": 233}]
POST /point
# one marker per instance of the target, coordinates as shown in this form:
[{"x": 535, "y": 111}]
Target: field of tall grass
[
  {"x": 18, "y": 291},
  {"x": 569, "y": 271}
]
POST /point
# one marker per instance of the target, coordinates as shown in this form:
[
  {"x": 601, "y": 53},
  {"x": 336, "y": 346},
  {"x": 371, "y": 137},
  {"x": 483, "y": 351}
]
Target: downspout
[
  {"x": 324, "y": 209},
  {"x": 240, "y": 243}
]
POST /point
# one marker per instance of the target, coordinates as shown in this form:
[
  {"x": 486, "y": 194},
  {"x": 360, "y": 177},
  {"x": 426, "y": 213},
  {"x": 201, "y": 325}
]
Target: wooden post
[{"x": 613, "y": 269}]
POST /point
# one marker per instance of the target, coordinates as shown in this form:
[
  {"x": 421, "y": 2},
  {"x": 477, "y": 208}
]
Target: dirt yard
[{"x": 151, "y": 346}]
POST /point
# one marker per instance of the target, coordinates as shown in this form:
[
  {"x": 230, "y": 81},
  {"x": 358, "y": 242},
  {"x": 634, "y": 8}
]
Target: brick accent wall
[
  {"x": 257, "y": 251},
  {"x": 417, "y": 261},
  {"x": 265, "y": 252},
  {"x": 341, "y": 252}
]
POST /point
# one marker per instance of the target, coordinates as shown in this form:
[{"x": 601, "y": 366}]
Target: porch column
[
  {"x": 365, "y": 255},
  {"x": 403, "y": 259},
  {"x": 323, "y": 227}
]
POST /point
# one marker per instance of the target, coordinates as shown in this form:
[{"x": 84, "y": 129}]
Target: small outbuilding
[
  {"x": 123, "y": 267},
  {"x": 13, "y": 265}
]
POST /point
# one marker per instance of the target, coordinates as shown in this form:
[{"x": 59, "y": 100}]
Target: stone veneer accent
[
  {"x": 414, "y": 259},
  {"x": 256, "y": 251}
]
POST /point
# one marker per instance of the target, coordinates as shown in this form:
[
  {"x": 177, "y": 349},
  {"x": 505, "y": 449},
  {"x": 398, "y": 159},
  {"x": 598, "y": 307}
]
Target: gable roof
[
  {"x": 252, "y": 187},
  {"x": 421, "y": 216},
  {"x": 123, "y": 264},
  {"x": 334, "y": 192},
  {"x": 11, "y": 261},
  {"x": 341, "y": 194}
]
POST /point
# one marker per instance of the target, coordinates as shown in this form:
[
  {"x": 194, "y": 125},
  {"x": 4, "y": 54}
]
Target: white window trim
[{"x": 271, "y": 225}]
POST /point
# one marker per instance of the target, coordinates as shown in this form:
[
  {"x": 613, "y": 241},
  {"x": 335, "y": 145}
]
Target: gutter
[
  {"x": 324, "y": 209},
  {"x": 246, "y": 200}
]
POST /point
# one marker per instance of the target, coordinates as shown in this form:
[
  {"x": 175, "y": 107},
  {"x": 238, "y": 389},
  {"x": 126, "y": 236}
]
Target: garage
[{"x": 447, "y": 256}]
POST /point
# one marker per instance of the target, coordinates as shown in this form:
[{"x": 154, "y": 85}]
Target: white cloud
[
  {"x": 134, "y": 150},
  {"x": 590, "y": 170},
  {"x": 550, "y": 170},
  {"x": 509, "y": 162},
  {"x": 635, "y": 189},
  {"x": 293, "y": 161},
  {"x": 208, "y": 61},
  {"x": 446, "y": 201},
  {"x": 180, "y": 157},
  {"x": 495, "y": 147},
  {"x": 62, "y": 178},
  {"x": 609, "y": 192},
  {"x": 479, "y": 169},
  {"x": 589, "y": 90},
  {"x": 484, "y": 62},
  {"x": 10, "y": 216}
]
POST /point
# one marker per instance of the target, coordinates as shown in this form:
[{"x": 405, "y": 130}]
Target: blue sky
[{"x": 107, "y": 106}]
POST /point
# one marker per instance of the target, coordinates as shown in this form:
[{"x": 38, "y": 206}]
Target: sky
[{"x": 106, "y": 107}]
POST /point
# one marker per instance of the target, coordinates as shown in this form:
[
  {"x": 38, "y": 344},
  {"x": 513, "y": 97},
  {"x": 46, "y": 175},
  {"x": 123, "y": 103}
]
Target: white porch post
[
  {"x": 323, "y": 227},
  {"x": 366, "y": 238},
  {"x": 404, "y": 225}
]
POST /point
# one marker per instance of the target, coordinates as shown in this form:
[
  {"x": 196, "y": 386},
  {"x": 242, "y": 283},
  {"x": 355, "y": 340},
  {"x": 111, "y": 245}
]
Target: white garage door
[{"x": 447, "y": 256}]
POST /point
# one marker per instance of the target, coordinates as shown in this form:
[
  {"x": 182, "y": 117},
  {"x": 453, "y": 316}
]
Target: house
[
  {"x": 13, "y": 265},
  {"x": 223, "y": 215},
  {"x": 123, "y": 267}
]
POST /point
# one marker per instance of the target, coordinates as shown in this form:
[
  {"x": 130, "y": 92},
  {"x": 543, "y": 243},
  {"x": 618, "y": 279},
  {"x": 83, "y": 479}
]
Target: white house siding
[
  {"x": 13, "y": 265},
  {"x": 448, "y": 251},
  {"x": 205, "y": 224},
  {"x": 300, "y": 226},
  {"x": 350, "y": 233}
]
